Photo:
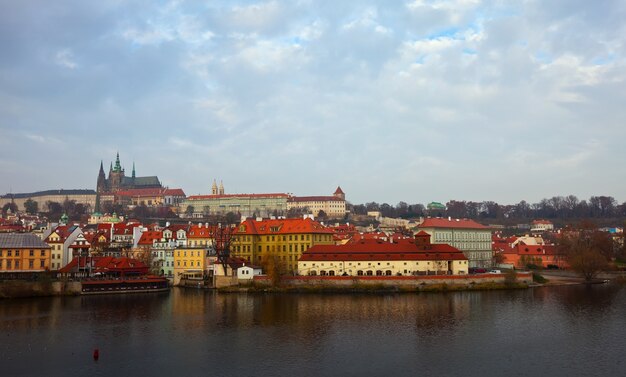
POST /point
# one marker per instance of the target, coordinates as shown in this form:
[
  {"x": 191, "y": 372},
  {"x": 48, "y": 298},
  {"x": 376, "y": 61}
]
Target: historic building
[
  {"x": 332, "y": 206},
  {"x": 404, "y": 257},
  {"x": 84, "y": 197},
  {"x": 23, "y": 253},
  {"x": 472, "y": 238},
  {"x": 283, "y": 240},
  {"x": 118, "y": 181}
]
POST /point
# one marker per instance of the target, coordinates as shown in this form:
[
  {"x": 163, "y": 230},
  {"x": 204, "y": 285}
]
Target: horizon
[{"x": 419, "y": 101}]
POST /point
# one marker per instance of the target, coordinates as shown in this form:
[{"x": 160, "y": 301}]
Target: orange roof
[
  {"x": 370, "y": 251},
  {"x": 201, "y": 231},
  {"x": 339, "y": 190},
  {"x": 314, "y": 199},
  {"x": 275, "y": 195},
  {"x": 451, "y": 223},
  {"x": 148, "y": 238},
  {"x": 282, "y": 226}
]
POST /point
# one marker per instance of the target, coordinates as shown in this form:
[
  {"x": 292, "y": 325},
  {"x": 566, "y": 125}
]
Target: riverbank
[
  {"x": 374, "y": 284},
  {"x": 25, "y": 289}
]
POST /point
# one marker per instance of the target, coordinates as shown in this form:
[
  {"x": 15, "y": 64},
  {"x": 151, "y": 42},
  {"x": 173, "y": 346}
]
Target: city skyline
[{"x": 416, "y": 101}]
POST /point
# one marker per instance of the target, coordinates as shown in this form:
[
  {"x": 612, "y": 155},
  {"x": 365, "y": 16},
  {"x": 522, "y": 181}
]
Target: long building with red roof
[
  {"x": 404, "y": 257},
  {"x": 264, "y": 205},
  {"x": 333, "y": 205},
  {"x": 470, "y": 237}
]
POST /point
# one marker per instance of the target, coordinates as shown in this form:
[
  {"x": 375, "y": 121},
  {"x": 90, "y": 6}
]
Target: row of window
[
  {"x": 31, "y": 253},
  {"x": 15, "y": 265}
]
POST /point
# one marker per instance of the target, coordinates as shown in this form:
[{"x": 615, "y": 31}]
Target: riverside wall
[
  {"x": 20, "y": 288},
  {"x": 408, "y": 282}
]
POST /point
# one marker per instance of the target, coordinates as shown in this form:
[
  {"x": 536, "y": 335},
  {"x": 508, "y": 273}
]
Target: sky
[{"x": 413, "y": 101}]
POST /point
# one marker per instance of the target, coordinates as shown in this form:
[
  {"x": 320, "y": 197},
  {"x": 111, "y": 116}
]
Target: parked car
[
  {"x": 494, "y": 271},
  {"x": 476, "y": 270}
]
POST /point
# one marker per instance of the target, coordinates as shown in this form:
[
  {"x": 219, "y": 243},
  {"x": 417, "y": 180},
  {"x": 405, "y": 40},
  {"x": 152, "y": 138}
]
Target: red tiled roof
[
  {"x": 106, "y": 264},
  {"x": 339, "y": 190},
  {"x": 299, "y": 199},
  {"x": 452, "y": 223},
  {"x": 147, "y": 238},
  {"x": 370, "y": 251},
  {"x": 275, "y": 195},
  {"x": 282, "y": 226},
  {"x": 542, "y": 222},
  {"x": 201, "y": 231}
]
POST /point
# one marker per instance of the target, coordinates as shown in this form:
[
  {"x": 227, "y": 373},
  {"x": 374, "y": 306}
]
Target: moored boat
[{"x": 135, "y": 284}]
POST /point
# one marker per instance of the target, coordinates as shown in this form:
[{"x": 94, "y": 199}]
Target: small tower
[
  {"x": 339, "y": 193},
  {"x": 221, "y": 190},
  {"x": 214, "y": 188},
  {"x": 133, "y": 171}
]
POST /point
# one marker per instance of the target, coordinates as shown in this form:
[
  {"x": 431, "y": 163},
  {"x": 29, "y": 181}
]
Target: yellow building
[
  {"x": 283, "y": 240},
  {"x": 411, "y": 257},
  {"x": 190, "y": 262},
  {"x": 21, "y": 252}
]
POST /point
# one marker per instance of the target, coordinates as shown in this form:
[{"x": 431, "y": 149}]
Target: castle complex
[{"x": 118, "y": 180}]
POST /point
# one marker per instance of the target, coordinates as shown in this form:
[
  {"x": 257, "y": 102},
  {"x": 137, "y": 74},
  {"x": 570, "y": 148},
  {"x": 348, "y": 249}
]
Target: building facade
[
  {"x": 411, "y": 257},
  {"x": 23, "y": 252},
  {"x": 282, "y": 240},
  {"x": 332, "y": 206},
  {"x": 472, "y": 238},
  {"x": 85, "y": 197},
  {"x": 200, "y": 206}
]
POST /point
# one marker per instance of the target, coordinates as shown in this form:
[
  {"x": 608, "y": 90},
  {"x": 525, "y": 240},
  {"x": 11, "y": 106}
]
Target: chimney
[{"x": 449, "y": 218}]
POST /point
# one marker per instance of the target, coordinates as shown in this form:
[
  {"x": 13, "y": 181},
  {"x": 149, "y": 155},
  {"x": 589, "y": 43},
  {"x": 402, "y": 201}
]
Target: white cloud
[{"x": 65, "y": 58}]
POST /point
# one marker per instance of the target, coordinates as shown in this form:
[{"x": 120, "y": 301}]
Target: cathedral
[{"x": 118, "y": 180}]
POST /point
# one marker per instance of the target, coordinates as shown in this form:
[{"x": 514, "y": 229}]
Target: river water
[{"x": 551, "y": 331}]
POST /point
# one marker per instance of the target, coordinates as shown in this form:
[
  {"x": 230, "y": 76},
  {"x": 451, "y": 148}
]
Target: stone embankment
[
  {"x": 21, "y": 288},
  {"x": 389, "y": 283}
]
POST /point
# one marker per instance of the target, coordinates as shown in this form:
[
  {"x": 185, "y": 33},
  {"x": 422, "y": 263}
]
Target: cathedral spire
[
  {"x": 118, "y": 166},
  {"x": 133, "y": 169}
]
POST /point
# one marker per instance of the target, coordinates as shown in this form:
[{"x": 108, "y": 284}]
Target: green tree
[
  {"x": 9, "y": 206},
  {"x": 31, "y": 206}
]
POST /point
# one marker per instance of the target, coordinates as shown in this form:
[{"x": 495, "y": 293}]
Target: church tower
[
  {"x": 101, "y": 186},
  {"x": 214, "y": 188},
  {"x": 116, "y": 175},
  {"x": 221, "y": 190}
]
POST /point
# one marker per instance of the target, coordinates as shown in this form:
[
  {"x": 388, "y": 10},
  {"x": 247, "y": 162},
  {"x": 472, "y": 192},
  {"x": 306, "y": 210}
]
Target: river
[{"x": 550, "y": 331}]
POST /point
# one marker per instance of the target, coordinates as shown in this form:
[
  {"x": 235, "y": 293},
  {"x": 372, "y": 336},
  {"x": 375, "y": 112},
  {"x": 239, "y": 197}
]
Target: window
[
  {"x": 17, "y": 264},
  {"x": 31, "y": 253},
  {"x": 17, "y": 253},
  {"x": 31, "y": 263}
]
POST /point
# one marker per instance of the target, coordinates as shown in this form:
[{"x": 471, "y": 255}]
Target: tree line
[{"x": 558, "y": 207}]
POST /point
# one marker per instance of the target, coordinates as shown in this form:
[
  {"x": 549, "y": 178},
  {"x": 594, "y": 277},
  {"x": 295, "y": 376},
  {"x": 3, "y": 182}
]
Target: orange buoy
[{"x": 96, "y": 354}]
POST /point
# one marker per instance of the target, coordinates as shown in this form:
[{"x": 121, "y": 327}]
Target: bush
[{"x": 539, "y": 279}]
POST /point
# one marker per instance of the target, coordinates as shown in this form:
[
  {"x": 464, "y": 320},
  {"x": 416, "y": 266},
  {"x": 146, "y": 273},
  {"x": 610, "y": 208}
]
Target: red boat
[
  {"x": 100, "y": 275},
  {"x": 134, "y": 284}
]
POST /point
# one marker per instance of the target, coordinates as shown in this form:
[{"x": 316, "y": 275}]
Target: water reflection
[{"x": 268, "y": 334}]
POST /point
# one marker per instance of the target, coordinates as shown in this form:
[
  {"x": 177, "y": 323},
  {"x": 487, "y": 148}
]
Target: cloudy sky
[{"x": 414, "y": 101}]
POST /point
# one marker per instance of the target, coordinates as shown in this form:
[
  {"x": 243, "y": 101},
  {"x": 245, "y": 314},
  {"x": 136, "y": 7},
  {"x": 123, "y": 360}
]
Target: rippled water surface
[{"x": 557, "y": 331}]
